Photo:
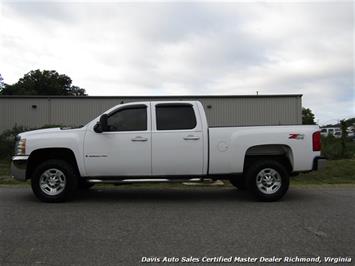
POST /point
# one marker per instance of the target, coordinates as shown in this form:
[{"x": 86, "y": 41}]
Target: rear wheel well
[
  {"x": 250, "y": 160},
  {"x": 280, "y": 153},
  {"x": 39, "y": 156}
]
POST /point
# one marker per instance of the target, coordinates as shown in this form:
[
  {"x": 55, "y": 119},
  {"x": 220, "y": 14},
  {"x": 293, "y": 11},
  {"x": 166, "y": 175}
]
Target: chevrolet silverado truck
[{"x": 164, "y": 142}]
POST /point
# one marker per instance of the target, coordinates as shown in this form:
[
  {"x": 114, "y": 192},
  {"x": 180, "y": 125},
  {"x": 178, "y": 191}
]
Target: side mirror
[
  {"x": 101, "y": 126},
  {"x": 97, "y": 128}
]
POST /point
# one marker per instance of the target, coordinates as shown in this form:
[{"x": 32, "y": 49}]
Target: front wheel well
[{"x": 39, "y": 156}]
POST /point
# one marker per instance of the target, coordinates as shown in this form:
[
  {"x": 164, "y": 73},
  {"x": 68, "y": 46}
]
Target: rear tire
[
  {"x": 267, "y": 180},
  {"x": 54, "y": 181},
  {"x": 239, "y": 182}
]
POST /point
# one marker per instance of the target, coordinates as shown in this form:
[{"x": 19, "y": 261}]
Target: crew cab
[{"x": 163, "y": 141}]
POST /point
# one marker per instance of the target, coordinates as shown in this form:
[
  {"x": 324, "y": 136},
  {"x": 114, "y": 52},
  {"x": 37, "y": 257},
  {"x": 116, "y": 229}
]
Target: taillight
[{"x": 316, "y": 141}]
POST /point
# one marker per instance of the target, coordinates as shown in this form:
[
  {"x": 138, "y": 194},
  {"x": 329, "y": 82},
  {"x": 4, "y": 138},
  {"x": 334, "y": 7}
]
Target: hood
[
  {"x": 48, "y": 131},
  {"x": 38, "y": 131}
]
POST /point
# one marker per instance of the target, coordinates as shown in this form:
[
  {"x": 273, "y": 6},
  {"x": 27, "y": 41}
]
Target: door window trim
[
  {"x": 133, "y": 106},
  {"x": 130, "y": 106}
]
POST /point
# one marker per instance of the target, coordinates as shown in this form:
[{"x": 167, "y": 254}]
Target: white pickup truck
[{"x": 163, "y": 141}]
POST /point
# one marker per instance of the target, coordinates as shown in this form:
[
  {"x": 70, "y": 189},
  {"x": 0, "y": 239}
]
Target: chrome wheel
[
  {"x": 52, "y": 181},
  {"x": 268, "y": 181}
]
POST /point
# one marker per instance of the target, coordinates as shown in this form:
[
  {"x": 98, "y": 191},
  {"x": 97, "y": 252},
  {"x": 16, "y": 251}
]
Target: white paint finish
[
  {"x": 71, "y": 139},
  {"x": 200, "y": 112},
  {"x": 117, "y": 153},
  {"x": 240, "y": 139},
  {"x": 173, "y": 155},
  {"x": 178, "y": 152}
]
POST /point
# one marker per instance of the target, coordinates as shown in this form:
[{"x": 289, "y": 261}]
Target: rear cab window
[{"x": 175, "y": 116}]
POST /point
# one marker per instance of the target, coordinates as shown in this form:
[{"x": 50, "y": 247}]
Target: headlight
[{"x": 20, "y": 147}]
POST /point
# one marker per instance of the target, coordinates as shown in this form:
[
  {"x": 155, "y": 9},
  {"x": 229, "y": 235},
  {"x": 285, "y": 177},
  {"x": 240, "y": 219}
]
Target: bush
[
  {"x": 7, "y": 139},
  {"x": 333, "y": 149}
]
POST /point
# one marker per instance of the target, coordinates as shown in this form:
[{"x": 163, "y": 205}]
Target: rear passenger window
[{"x": 175, "y": 117}]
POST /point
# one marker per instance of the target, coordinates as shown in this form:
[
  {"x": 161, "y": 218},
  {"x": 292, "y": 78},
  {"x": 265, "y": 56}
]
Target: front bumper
[
  {"x": 18, "y": 167},
  {"x": 319, "y": 163}
]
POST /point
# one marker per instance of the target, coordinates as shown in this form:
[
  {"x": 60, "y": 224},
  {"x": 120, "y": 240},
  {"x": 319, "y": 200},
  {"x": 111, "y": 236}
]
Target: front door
[{"x": 123, "y": 150}]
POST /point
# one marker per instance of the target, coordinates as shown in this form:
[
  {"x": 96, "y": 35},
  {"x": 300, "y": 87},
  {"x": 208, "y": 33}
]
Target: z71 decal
[{"x": 296, "y": 136}]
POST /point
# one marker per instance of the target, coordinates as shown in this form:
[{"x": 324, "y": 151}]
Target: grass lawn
[
  {"x": 336, "y": 172},
  {"x": 4, "y": 168},
  {"x": 5, "y": 178}
]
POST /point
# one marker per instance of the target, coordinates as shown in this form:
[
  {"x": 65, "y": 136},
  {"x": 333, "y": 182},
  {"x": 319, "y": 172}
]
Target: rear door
[{"x": 177, "y": 139}]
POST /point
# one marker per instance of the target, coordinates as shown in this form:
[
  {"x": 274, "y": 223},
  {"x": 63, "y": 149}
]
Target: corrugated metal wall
[{"x": 33, "y": 112}]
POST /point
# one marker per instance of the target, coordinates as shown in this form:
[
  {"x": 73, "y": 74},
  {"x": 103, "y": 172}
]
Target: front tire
[
  {"x": 267, "y": 180},
  {"x": 54, "y": 181}
]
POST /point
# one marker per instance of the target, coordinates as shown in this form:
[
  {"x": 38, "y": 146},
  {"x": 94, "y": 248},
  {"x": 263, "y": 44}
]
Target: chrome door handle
[
  {"x": 191, "y": 137},
  {"x": 139, "y": 138}
]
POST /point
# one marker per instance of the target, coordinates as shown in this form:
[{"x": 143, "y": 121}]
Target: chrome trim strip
[{"x": 122, "y": 181}]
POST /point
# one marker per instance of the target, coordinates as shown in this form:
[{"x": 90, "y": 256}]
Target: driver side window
[{"x": 128, "y": 119}]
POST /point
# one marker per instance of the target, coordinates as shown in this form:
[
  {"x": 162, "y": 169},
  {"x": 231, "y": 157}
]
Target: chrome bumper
[
  {"x": 319, "y": 163},
  {"x": 18, "y": 167}
]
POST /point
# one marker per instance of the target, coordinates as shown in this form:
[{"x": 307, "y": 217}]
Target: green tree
[
  {"x": 307, "y": 116},
  {"x": 2, "y": 84},
  {"x": 46, "y": 82},
  {"x": 343, "y": 127}
]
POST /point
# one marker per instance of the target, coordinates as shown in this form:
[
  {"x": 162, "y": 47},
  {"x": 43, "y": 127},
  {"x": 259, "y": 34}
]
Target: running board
[{"x": 127, "y": 181}]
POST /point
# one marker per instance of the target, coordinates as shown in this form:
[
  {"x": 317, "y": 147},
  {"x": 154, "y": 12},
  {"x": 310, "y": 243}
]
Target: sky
[{"x": 189, "y": 48}]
